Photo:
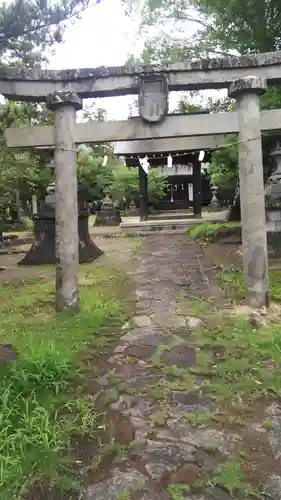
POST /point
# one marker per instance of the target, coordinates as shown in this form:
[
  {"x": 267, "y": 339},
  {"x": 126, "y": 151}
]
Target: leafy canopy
[{"x": 28, "y": 27}]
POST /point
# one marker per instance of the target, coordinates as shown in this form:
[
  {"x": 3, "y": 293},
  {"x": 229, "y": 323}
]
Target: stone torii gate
[{"x": 245, "y": 78}]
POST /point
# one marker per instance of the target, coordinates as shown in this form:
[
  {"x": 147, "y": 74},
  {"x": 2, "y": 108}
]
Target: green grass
[
  {"x": 233, "y": 282},
  {"x": 178, "y": 491},
  {"x": 231, "y": 478},
  {"x": 240, "y": 363},
  {"x": 207, "y": 231},
  {"x": 40, "y": 412}
]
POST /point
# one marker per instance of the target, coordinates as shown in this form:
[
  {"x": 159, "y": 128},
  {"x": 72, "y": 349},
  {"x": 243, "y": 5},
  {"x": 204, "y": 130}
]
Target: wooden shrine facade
[{"x": 187, "y": 186}]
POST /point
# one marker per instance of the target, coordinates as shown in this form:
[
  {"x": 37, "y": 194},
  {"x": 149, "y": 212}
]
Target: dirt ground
[{"x": 112, "y": 247}]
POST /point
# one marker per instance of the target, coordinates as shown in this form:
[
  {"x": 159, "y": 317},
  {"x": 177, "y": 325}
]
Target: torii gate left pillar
[{"x": 64, "y": 104}]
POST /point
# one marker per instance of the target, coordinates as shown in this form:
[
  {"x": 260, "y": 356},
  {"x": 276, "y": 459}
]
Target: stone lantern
[
  {"x": 43, "y": 250},
  {"x": 273, "y": 205},
  {"x": 107, "y": 215},
  {"x": 214, "y": 205}
]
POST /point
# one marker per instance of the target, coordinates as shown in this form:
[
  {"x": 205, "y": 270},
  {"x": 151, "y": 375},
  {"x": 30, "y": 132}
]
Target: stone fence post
[
  {"x": 65, "y": 104},
  {"x": 255, "y": 261}
]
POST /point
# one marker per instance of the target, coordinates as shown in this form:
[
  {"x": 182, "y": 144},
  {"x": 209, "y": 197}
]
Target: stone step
[{"x": 164, "y": 226}]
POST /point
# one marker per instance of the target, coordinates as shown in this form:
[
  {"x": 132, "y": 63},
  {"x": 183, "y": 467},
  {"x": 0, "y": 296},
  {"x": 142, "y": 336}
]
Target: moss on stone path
[{"x": 187, "y": 402}]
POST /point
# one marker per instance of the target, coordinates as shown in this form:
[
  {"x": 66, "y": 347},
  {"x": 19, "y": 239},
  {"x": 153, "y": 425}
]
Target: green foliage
[
  {"x": 21, "y": 171},
  {"x": 125, "y": 186},
  {"x": 243, "y": 26},
  {"x": 178, "y": 491},
  {"x": 233, "y": 281},
  {"x": 27, "y": 27},
  {"x": 232, "y": 479},
  {"x": 39, "y": 413},
  {"x": 93, "y": 177},
  {"x": 207, "y": 230},
  {"x": 224, "y": 168}
]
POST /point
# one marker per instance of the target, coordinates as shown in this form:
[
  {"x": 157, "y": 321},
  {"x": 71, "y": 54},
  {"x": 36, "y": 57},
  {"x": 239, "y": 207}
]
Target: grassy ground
[
  {"x": 240, "y": 366},
  {"x": 207, "y": 231},
  {"x": 233, "y": 282},
  {"x": 41, "y": 412}
]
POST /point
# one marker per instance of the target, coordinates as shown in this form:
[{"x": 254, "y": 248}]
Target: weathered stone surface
[
  {"x": 151, "y": 495},
  {"x": 273, "y": 413},
  {"x": 213, "y": 439},
  {"x": 7, "y": 353},
  {"x": 209, "y": 440},
  {"x": 193, "y": 321},
  {"x": 68, "y": 75},
  {"x": 168, "y": 320},
  {"x": 272, "y": 488},
  {"x": 142, "y": 321},
  {"x": 103, "y": 381},
  {"x": 190, "y": 402},
  {"x": 250, "y": 83},
  {"x": 163, "y": 457},
  {"x": 182, "y": 356},
  {"x": 275, "y": 436},
  {"x": 173, "y": 450},
  {"x": 119, "y": 483},
  {"x": 137, "y": 335},
  {"x": 60, "y": 97},
  {"x": 111, "y": 394},
  {"x": 209, "y": 462},
  {"x": 217, "y": 494}
]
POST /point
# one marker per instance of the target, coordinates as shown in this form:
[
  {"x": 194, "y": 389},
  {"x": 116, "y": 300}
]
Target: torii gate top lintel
[{"x": 34, "y": 85}]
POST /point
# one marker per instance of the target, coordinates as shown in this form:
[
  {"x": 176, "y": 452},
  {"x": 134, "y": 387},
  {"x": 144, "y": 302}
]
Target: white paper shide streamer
[
  {"x": 169, "y": 161},
  {"x": 105, "y": 160},
  {"x": 144, "y": 163},
  {"x": 201, "y": 155}
]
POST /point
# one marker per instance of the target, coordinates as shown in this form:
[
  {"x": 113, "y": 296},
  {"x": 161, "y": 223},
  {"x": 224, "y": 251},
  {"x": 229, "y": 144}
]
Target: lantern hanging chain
[{"x": 162, "y": 155}]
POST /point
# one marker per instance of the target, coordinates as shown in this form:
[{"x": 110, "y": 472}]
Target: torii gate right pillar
[{"x": 255, "y": 260}]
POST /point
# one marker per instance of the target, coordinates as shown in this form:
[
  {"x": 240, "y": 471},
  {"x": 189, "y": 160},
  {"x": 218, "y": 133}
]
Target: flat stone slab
[
  {"x": 193, "y": 321},
  {"x": 274, "y": 437},
  {"x": 163, "y": 457},
  {"x": 208, "y": 439},
  {"x": 119, "y": 483},
  {"x": 190, "y": 402},
  {"x": 142, "y": 321},
  {"x": 168, "y": 320},
  {"x": 272, "y": 488},
  {"x": 181, "y": 356}
]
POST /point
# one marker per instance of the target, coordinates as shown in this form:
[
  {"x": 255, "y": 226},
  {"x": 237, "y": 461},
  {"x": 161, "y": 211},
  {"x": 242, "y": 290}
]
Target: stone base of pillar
[
  {"x": 273, "y": 229},
  {"x": 105, "y": 217},
  {"x": 214, "y": 206},
  {"x": 43, "y": 250},
  {"x": 132, "y": 211}
]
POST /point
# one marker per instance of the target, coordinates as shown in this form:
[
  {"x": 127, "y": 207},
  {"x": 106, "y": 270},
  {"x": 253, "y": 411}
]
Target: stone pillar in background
[
  {"x": 254, "y": 240},
  {"x": 273, "y": 205},
  {"x": 65, "y": 104},
  {"x": 197, "y": 189},
  {"x": 34, "y": 204},
  {"x": 143, "y": 179},
  {"x": 214, "y": 205}
]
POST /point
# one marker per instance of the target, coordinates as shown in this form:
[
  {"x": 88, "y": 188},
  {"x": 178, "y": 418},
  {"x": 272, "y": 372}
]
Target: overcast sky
[{"x": 103, "y": 37}]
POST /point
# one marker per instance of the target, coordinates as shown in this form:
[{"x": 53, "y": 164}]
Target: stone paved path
[{"x": 148, "y": 382}]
